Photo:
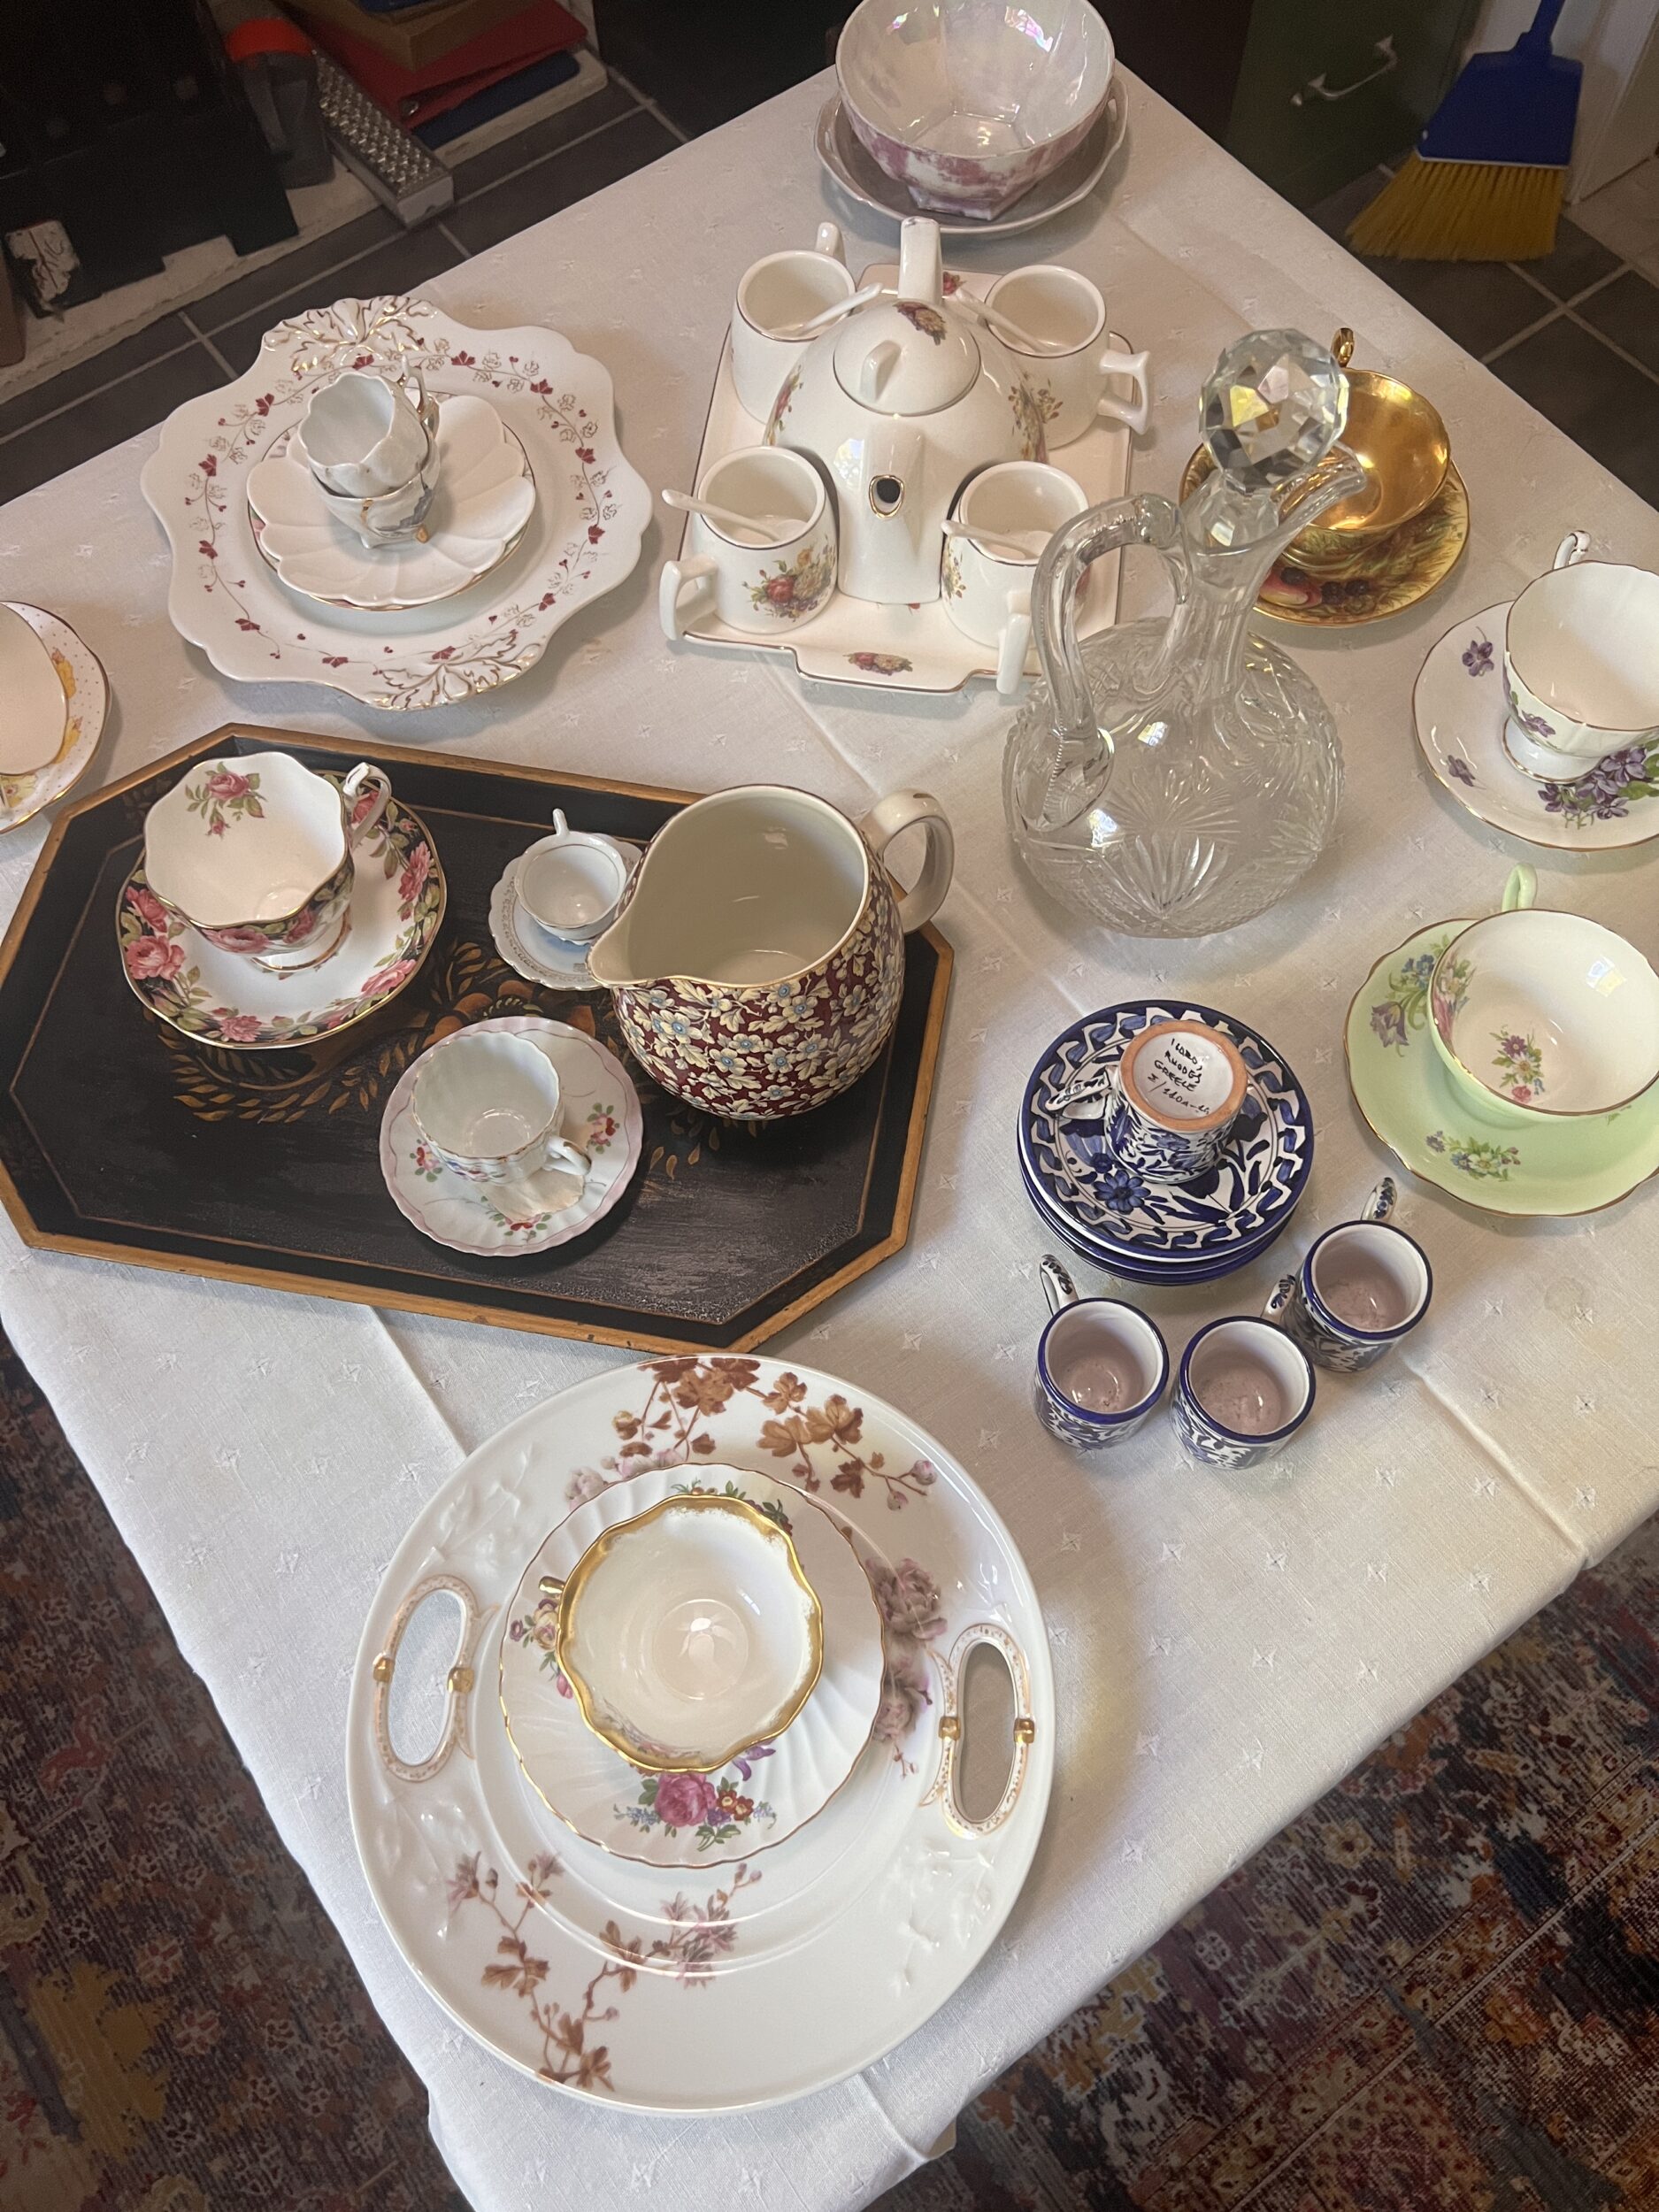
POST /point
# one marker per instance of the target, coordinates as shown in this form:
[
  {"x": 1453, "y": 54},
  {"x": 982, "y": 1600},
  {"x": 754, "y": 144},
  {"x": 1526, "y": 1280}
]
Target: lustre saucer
[
  {"x": 86, "y": 702},
  {"x": 758, "y": 1798},
  {"x": 1459, "y": 717},
  {"x": 1409, "y": 1102},
  {"x": 481, "y": 507},
  {"x": 397, "y": 901},
  {"x": 598, "y": 1110},
  {"x": 529, "y": 947},
  {"x": 1228, "y": 1215}
]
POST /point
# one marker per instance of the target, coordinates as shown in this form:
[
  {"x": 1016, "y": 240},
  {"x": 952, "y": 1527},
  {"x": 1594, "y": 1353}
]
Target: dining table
[{"x": 1227, "y": 1644}]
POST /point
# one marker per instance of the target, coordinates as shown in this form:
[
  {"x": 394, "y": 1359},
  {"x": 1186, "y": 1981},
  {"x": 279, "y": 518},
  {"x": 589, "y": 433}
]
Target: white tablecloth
[{"x": 1226, "y": 1647}]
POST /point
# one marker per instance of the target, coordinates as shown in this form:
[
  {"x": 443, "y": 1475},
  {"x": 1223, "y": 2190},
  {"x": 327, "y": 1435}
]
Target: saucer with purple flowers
[{"x": 1458, "y": 707}]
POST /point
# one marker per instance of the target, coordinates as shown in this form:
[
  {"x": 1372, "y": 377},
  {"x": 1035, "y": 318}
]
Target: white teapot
[{"x": 901, "y": 403}]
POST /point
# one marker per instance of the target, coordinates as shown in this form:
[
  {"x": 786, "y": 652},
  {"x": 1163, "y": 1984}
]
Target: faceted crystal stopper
[{"x": 1275, "y": 406}]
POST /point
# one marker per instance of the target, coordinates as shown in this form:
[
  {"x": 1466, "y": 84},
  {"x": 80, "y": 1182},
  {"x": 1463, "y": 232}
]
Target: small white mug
[
  {"x": 1580, "y": 663},
  {"x": 570, "y": 883},
  {"x": 776, "y": 293},
  {"x": 986, "y": 595},
  {"x": 764, "y": 589},
  {"x": 1072, "y": 367},
  {"x": 486, "y": 1103}
]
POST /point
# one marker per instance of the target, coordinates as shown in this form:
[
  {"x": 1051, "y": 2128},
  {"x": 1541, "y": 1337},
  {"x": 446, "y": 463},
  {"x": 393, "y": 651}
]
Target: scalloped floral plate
[
  {"x": 1408, "y": 1101},
  {"x": 1459, "y": 717},
  {"x": 583, "y": 539},
  {"x": 759, "y": 1799}
]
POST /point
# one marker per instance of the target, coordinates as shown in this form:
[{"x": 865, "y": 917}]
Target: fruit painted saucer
[
  {"x": 761, "y": 1796},
  {"x": 1411, "y": 1104},
  {"x": 529, "y": 947},
  {"x": 397, "y": 901},
  {"x": 1457, "y": 706},
  {"x": 599, "y": 1110},
  {"x": 86, "y": 702}
]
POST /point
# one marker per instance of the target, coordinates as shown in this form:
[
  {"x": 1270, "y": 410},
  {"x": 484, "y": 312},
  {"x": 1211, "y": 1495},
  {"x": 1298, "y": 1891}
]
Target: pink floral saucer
[
  {"x": 397, "y": 901},
  {"x": 599, "y": 1110}
]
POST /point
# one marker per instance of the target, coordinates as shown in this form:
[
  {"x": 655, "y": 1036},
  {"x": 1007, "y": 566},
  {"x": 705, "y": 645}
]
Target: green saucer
[{"x": 1573, "y": 1165}]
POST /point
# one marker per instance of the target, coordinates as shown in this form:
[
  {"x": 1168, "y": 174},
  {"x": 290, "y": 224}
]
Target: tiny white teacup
[
  {"x": 1244, "y": 1390},
  {"x": 777, "y": 293},
  {"x": 1581, "y": 664},
  {"x": 689, "y": 1632},
  {"x": 1071, "y": 366},
  {"x": 486, "y": 1106},
  {"x": 1538, "y": 1013},
  {"x": 760, "y": 589},
  {"x": 256, "y": 852},
  {"x": 986, "y": 593},
  {"x": 1363, "y": 1286},
  {"x": 1101, "y": 1365},
  {"x": 370, "y": 443},
  {"x": 570, "y": 883}
]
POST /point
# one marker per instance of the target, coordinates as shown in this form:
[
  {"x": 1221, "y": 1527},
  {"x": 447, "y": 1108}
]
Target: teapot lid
[{"x": 912, "y": 355}]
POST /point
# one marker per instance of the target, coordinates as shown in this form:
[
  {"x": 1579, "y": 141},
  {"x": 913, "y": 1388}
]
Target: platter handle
[
  {"x": 951, "y": 1730},
  {"x": 459, "y": 1682}
]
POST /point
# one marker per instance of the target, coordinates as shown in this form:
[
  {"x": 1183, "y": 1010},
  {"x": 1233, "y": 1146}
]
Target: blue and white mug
[
  {"x": 1101, "y": 1365},
  {"x": 1363, "y": 1286},
  {"x": 1175, "y": 1097},
  {"x": 1244, "y": 1390}
]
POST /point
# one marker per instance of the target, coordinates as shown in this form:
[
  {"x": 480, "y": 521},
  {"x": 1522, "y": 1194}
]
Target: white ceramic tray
[
  {"x": 901, "y": 648},
  {"x": 664, "y": 1988}
]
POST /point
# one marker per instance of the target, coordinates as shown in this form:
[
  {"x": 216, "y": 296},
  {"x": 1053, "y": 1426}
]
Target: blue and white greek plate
[
  {"x": 1219, "y": 1221},
  {"x": 1168, "y": 1274}
]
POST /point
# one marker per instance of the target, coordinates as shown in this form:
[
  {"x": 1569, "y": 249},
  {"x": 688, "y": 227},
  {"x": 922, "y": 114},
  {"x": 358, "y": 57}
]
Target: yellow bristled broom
[{"x": 1486, "y": 179}]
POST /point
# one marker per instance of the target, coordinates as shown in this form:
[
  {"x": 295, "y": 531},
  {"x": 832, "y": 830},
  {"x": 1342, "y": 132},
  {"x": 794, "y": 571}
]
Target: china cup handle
[
  {"x": 1136, "y": 367},
  {"x": 1382, "y": 1201},
  {"x": 1520, "y": 890},
  {"x": 458, "y": 1683},
  {"x": 699, "y": 573},
  {"x": 829, "y": 242},
  {"x": 361, "y": 777},
  {"x": 1572, "y": 549},
  {"x": 1014, "y": 645},
  {"x": 562, "y": 1152},
  {"x": 897, "y": 811},
  {"x": 1058, "y": 1286},
  {"x": 1280, "y": 1301}
]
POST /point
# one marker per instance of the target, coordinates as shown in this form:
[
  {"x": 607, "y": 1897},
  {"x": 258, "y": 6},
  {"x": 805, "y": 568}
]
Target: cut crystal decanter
[{"x": 1174, "y": 776}]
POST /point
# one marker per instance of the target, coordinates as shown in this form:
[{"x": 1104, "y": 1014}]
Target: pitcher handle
[
  {"x": 1068, "y": 776},
  {"x": 897, "y": 811}
]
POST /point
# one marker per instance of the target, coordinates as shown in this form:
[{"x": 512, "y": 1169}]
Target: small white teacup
[
  {"x": 762, "y": 588},
  {"x": 986, "y": 595},
  {"x": 1536, "y": 1013},
  {"x": 1073, "y": 368},
  {"x": 570, "y": 883},
  {"x": 1580, "y": 663},
  {"x": 777, "y": 292},
  {"x": 371, "y": 443},
  {"x": 486, "y": 1103}
]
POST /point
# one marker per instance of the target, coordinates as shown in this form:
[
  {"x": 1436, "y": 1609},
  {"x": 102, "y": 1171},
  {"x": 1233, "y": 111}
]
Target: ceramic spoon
[
  {"x": 792, "y": 332},
  {"x": 1005, "y": 327},
  {"x": 767, "y": 529},
  {"x": 1024, "y": 545}
]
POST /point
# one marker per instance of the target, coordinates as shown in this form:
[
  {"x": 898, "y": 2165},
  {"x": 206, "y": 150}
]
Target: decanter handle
[{"x": 1074, "y": 772}]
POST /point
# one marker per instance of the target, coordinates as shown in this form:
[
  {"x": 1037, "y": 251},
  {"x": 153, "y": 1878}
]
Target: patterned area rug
[{"x": 1438, "y": 1992}]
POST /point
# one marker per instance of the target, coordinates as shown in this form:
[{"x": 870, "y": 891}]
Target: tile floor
[{"x": 1575, "y": 334}]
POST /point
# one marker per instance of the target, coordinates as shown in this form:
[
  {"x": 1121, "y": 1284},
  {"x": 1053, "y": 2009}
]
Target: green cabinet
[{"x": 1326, "y": 92}]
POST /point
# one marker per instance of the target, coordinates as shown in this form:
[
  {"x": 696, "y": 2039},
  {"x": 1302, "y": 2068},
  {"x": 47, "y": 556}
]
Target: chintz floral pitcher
[{"x": 757, "y": 964}]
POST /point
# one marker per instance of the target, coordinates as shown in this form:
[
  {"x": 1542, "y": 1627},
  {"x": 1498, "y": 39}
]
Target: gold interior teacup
[{"x": 1399, "y": 439}]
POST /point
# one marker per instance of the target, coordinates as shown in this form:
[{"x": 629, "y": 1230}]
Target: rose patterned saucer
[
  {"x": 533, "y": 950},
  {"x": 87, "y": 698},
  {"x": 756, "y": 1799},
  {"x": 598, "y": 1110},
  {"x": 1408, "y": 1101},
  {"x": 397, "y": 900},
  {"x": 1458, "y": 707}
]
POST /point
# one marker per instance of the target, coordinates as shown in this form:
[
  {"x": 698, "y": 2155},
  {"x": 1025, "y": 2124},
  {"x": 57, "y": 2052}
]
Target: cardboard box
[
  {"x": 417, "y": 39},
  {"x": 534, "y": 31}
]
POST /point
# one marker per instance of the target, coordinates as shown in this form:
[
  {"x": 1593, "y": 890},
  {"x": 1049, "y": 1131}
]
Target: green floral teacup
[{"x": 1540, "y": 1013}]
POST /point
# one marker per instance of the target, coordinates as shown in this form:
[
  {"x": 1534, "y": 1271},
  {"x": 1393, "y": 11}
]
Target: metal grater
[{"x": 395, "y": 167}]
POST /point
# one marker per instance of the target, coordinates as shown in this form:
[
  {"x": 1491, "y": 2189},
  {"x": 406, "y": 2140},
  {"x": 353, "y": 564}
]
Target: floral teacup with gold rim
[
  {"x": 689, "y": 1632},
  {"x": 1536, "y": 1012},
  {"x": 256, "y": 852}
]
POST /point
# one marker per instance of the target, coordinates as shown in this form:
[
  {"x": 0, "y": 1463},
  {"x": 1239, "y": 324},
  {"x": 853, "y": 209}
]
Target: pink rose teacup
[{"x": 257, "y": 854}]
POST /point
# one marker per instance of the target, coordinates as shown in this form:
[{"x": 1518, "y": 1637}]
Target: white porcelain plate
[
  {"x": 534, "y": 951},
  {"x": 86, "y": 702},
  {"x": 859, "y": 176},
  {"x": 1457, "y": 706},
  {"x": 583, "y": 538},
  {"x": 599, "y": 1110},
  {"x": 758, "y": 1798},
  {"x": 478, "y": 511},
  {"x": 768, "y": 1978}
]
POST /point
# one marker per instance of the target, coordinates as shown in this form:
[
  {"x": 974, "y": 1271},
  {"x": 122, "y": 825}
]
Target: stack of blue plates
[{"x": 1188, "y": 1233}]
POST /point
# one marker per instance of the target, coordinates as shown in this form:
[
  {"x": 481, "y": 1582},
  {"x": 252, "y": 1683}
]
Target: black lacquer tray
[{"x": 123, "y": 1140}]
